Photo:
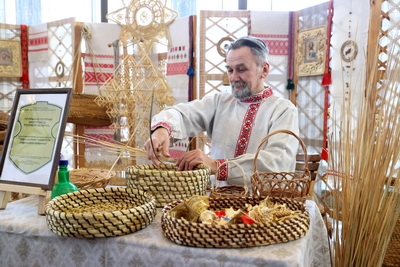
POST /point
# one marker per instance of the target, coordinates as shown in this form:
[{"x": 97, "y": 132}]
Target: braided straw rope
[
  {"x": 166, "y": 183},
  {"x": 100, "y": 212},
  {"x": 281, "y": 184},
  {"x": 229, "y": 190},
  {"x": 236, "y": 235}
]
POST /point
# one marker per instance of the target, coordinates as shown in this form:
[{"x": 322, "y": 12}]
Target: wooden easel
[{"x": 6, "y": 189}]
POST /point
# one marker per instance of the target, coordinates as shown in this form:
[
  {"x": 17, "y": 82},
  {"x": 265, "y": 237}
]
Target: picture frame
[
  {"x": 311, "y": 53},
  {"x": 10, "y": 59},
  {"x": 34, "y": 136}
]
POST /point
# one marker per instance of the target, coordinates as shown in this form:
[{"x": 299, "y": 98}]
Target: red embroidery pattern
[
  {"x": 223, "y": 171},
  {"x": 248, "y": 121},
  {"x": 278, "y": 44},
  {"x": 178, "y": 68}
]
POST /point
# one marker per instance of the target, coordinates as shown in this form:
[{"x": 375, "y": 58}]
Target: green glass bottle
[{"x": 63, "y": 186}]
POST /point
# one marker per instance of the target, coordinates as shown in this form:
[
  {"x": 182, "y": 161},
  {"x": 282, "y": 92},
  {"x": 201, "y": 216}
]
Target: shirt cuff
[
  {"x": 222, "y": 174},
  {"x": 165, "y": 125}
]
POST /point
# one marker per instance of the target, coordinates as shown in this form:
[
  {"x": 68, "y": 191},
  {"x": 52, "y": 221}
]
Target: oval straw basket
[
  {"x": 166, "y": 183},
  {"x": 235, "y": 235},
  {"x": 101, "y": 212},
  {"x": 281, "y": 184},
  {"x": 90, "y": 178},
  {"x": 229, "y": 190}
]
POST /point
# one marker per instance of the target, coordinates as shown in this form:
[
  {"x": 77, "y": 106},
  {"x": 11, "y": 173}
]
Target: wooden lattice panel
[
  {"x": 388, "y": 36},
  {"x": 8, "y": 86},
  {"x": 217, "y": 28},
  {"x": 61, "y": 53}
]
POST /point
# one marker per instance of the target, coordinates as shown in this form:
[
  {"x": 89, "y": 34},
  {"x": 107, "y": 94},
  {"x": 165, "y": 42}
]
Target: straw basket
[
  {"x": 90, "y": 178},
  {"x": 392, "y": 256},
  {"x": 235, "y": 235},
  {"x": 101, "y": 212},
  {"x": 229, "y": 190},
  {"x": 84, "y": 110},
  {"x": 166, "y": 183},
  {"x": 281, "y": 184}
]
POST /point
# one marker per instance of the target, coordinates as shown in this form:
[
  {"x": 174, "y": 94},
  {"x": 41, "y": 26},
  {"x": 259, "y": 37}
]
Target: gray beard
[{"x": 241, "y": 94}]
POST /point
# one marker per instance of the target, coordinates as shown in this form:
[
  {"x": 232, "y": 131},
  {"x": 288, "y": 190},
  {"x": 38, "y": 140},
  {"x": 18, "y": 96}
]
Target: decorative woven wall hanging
[{"x": 138, "y": 85}]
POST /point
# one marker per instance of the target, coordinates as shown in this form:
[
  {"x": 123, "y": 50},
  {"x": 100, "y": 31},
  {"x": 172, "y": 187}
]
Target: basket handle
[
  {"x": 303, "y": 146},
  {"x": 246, "y": 189}
]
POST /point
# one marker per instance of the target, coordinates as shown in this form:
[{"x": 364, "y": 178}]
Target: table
[{"x": 25, "y": 240}]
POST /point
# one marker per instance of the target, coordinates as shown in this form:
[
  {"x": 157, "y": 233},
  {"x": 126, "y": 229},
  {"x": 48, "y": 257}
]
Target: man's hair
[{"x": 258, "y": 48}]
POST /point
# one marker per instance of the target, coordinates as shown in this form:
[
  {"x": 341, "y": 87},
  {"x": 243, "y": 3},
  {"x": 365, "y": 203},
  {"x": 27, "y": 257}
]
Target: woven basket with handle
[
  {"x": 281, "y": 184},
  {"x": 100, "y": 212},
  {"x": 229, "y": 190},
  {"x": 166, "y": 183},
  {"x": 235, "y": 235}
]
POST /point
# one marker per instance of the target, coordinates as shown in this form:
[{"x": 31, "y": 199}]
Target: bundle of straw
[{"x": 364, "y": 150}]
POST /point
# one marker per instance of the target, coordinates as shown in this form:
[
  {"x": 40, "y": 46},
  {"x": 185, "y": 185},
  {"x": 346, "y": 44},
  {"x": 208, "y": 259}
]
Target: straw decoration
[{"x": 364, "y": 151}]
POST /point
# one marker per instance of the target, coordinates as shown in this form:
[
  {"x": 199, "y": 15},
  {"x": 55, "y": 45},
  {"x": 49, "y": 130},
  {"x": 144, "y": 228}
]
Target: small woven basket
[
  {"x": 229, "y": 190},
  {"x": 235, "y": 235},
  {"x": 101, "y": 212},
  {"x": 281, "y": 184},
  {"x": 90, "y": 178},
  {"x": 84, "y": 110},
  {"x": 166, "y": 183}
]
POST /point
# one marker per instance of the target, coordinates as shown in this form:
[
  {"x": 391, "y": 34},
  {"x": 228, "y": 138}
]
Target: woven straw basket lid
[{"x": 100, "y": 212}]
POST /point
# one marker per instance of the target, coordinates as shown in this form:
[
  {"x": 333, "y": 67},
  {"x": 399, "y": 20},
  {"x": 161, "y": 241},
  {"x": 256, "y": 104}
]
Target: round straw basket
[
  {"x": 90, "y": 178},
  {"x": 281, "y": 184},
  {"x": 166, "y": 183},
  {"x": 235, "y": 235},
  {"x": 101, "y": 212},
  {"x": 229, "y": 190}
]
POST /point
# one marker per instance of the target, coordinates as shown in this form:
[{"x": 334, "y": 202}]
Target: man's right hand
[{"x": 158, "y": 146}]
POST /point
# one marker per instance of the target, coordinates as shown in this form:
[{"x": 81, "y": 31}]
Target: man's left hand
[{"x": 194, "y": 157}]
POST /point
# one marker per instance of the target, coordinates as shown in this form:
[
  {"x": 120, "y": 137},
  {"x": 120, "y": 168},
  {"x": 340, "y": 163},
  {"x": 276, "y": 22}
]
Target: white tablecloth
[{"x": 25, "y": 240}]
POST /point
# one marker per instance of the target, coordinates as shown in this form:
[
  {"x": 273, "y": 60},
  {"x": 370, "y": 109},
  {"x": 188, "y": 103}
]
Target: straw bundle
[
  {"x": 88, "y": 178},
  {"x": 363, "y": 154}
]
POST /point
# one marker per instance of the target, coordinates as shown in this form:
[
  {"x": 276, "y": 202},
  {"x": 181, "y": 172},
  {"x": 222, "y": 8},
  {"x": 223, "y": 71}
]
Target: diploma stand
[{"x": 6, "y": 189}]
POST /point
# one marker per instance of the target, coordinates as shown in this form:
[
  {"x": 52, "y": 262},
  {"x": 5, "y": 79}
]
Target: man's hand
[
  {"x": 158, "y": 145},
  {"x": 194, "y": 157}
]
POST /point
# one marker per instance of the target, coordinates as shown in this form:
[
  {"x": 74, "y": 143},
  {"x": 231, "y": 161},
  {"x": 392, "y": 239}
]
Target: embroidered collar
[{"x": 267, "y": 92}]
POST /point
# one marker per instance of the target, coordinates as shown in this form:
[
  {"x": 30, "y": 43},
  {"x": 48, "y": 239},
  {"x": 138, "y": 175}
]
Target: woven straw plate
[
  {"x": 101, "y": 212},
  {"x": 281, "y": 184},
  {"x": 235, "y": 235},
  {"x": 166, "y": 183}
]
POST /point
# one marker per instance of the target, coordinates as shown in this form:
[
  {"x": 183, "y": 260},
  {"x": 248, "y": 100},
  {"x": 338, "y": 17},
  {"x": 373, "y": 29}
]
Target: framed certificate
[{"x": 34, "y": 137}]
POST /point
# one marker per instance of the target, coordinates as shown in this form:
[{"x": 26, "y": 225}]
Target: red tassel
[{"x": 327, "y": 79}]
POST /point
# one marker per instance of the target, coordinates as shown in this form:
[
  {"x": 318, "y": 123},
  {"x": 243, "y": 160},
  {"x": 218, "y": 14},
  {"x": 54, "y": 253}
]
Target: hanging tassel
[
  {"x": 190, "y": 71},
  {"x": 326, "y": 78},
  {"x": 290, "y": 84}
]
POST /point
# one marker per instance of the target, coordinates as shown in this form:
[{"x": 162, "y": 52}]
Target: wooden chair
[{"x": 313, "y": 164}]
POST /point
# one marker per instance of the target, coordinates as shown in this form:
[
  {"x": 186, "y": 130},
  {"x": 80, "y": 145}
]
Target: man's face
[{"x": 245, "y": 76}]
